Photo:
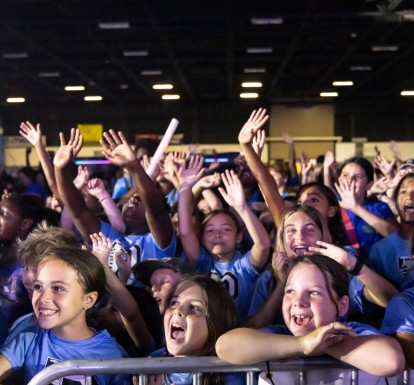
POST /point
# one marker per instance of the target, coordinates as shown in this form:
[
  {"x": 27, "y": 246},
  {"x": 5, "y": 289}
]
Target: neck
[{"x": 406, "y": 230}]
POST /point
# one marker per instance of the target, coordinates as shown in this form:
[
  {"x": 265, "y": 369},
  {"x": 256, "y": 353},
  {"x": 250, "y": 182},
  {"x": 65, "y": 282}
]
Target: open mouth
[
  {"x": 177, "y": 332},
  {"x": 47, "y": 312},
  {"x": 301, "y": 320},
  {"x": 300, "y": 250}
]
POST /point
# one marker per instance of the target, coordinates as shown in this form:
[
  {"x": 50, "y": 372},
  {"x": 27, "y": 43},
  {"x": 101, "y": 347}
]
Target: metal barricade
[{"x": 195, "y": 365}]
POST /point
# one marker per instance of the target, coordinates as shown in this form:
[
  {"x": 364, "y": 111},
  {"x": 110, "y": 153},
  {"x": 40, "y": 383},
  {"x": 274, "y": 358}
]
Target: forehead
[
  {"x": 220, "y": 219},
  {"x": 164, "y": 273},
  {"x": 299, "y": 218},
  {"x": 354, "y": 168},
  {"x": 189, "y": 290},
  {"x": 311, "y": 272},
  {"x": 408, "y": 183},
  {"x": 312, "y": 191}
]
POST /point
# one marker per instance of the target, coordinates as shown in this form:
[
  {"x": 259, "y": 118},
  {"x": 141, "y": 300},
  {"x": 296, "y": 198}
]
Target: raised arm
[
  {"x": 233, "y": 194},
  {"x": 85, "y": 221},
  {"x": 266, "y": 182},
  {"x": 292, "y": 153},
  {"x": 34, "y": 136},
  {"x": 119, "y": 152},
  {"x": 96, "y": 188},
  {"x": 121, "y": 297},
  {"x": 189, "y": 174},
  {"x": 348, "y": 201}
]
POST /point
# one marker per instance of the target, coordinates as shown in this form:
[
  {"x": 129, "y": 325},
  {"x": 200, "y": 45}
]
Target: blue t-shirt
[
  {"x": 32, "y": 352},
  {"x": 399, "y": 315},
  {"x": 392, "y": 258},
  {"x": 238, "y": 276}
]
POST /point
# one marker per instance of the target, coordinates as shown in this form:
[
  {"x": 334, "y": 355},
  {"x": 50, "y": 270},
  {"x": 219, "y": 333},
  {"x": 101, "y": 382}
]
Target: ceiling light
[
  {"x": 354, "y": 35},
  {"x": 384, "y": 48},
  {"x": 407, "y": 93},
  {"x": 260, "y": 50},
  {"x": 91, "y": 98},
  {"x": 162, "y": 87},
  {"x": 249, "y": 95},
  {"x": 170, "y": 97},
  {"x": 343, "y": 83},
  {"x": 254, "y": 70},
  {"x": 360, "y": 68},
  {"x": 251, "y": 84},
  {"x": 328, "y": 94},
  {"x": 49, "y": 74},
  {"x": 15, "y": 55},
  {"x": 151, "y": 72},
  {"x": 15, "y": 100},
  {"x": 74, "y": 88},
  {"x": 135, "y": 53},
  {"x": 124, "y": 86},
  {"x": 266, "y": 20},
  {"x": 114, "y": 25}
]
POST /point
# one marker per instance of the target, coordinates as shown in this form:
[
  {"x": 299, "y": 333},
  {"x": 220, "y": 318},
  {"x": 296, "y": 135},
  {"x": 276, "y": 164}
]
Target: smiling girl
[
  {"x": 315, "y": 300},
  {"x": 68, "y": 283}
]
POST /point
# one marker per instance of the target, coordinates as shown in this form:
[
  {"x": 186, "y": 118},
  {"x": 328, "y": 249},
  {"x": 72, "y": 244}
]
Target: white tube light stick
[{"x": 165, "y": 141}]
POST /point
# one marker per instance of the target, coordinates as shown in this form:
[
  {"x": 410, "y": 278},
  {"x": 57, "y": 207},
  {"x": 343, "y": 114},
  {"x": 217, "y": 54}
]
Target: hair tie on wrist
[
  {"x": 357, "y": 267},
  {"x": 102, "y": 199}
]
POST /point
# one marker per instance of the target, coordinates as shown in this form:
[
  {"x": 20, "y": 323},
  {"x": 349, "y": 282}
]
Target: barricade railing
[{"x": 195, "y": 365}]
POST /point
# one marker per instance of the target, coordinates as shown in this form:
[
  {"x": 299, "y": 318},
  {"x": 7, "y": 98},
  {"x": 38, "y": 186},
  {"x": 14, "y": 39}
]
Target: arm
[
  {"x": 5, "y": 368},
  {"x": 266, "y": 182},
  {"x": 348, "y": 202},
  {"x": 121, "y": 297},
  {"x": 376, "y": 288},
  {"x": 116, "y": 148},
  {"x": 292, "y": 154},
  {"x": 189, "y": 174},
  {"x": 406, "y": 341},
  {"x": 96, "y": 188},
  {"x": 85, "y": 221},
  {"x": 34, "y": 136},
  {"x": 203, "y": 187},
  {"x": 233, "y": 194},
  {"x": 328, "y": 163}
]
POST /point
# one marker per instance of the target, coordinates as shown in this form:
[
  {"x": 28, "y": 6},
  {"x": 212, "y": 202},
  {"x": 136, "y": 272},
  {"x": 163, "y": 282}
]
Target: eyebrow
[{"x": 53, "y": 282}]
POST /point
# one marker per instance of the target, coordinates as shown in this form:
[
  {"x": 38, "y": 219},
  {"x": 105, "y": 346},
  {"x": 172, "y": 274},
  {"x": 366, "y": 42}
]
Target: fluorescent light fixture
[
  {"x": 114, "y": 25},
  {"x": 407, "y": 93},
  {"x": 384, "y": 48},
  {"x": 15, "y": 55},
  {"x": 15, "y": 100},
  {"x": 249, "y": 95},
  {"x": 254, "y": 70},
  {"x": 260, "y": 50},
  {"x": 170, "y": 97},
  {"x": 92, "y": 98},
  {"x": 151, "y": 72},
  {"x": 360, "y": 68},
  {"x": 328, "y": 94},
  {"x": 74, "y": 88},
  {"x": 162, "y": 87},
  {"x": 266, "y": 20},
  {"x": 135, "y": 53},
  {"x": 343, "y": 83},
  {"x": 251, "y": 85},
  {"x": 49, "y": 74}
]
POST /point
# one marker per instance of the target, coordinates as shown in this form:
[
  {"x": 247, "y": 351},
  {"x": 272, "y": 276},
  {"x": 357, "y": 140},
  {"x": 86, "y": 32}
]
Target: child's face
[
  {"x": 58, "y": 298},
  {"x": 185, "y": 321},
  {"x": 10, "y": 221},
  {"x": 162, "y": 280},
  {"x": 312, "y": 196},
  {"x": 405, "y": 201},
  {"x": 300, "y": 232},
  {"x": 220, "y": 236},
  {"x": 279, "y": 178},
  {"x": 306, "y": 302},
  {"x": 354, "y": 172}
]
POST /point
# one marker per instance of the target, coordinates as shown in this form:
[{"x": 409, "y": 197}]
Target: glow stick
[{"x": 165, "y": 141}]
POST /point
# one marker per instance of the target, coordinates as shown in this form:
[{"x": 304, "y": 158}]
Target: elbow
[
  {"x": 392, "y": 365},
  {"x": 225, "y": 351}
]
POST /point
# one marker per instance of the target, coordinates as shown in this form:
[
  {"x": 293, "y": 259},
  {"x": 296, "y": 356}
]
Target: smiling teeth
[{"x": 47, "y": 312}]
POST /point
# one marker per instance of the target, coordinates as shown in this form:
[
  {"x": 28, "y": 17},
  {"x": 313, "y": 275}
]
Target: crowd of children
[{"x": 247, "y": 261}]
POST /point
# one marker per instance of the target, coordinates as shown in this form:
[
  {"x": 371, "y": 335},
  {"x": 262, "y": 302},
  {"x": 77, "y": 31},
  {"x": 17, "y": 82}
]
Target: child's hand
[
  {"x": 287, "y": 138},
  {"x": 316, "y": 343},
  {"x": 67, "y": 152},
  {"x": 116, "y": 149},
  {"x": 96, "y": 188},
  {"x": 258, "y": 142},
  {"x": 209, "y": 181},
  {"x": 347, "y": 192},
  {"x": 329, "y": 160},
  {"x": 380, "y": 186},
  {"x": 253, "y": 124},
  {"x": 234, "y": 193},
  {"x": 31, "y": 133},
  {"x": 191, "y": 173},
  {"x": 101, "y": 247},
  {"x": 280, "y": 264},
  {"x": 123, "y": 262},
  {"x": 340, "y": 255},
  {"x": 82, "y": 177}
]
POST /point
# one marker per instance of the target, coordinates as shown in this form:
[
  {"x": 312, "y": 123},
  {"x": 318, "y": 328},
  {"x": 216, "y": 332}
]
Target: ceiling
[{"x": 200, "y": 47}]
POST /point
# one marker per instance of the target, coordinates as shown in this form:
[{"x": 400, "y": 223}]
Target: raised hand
[
  {"x": 329, "y": 159},
  {"x": 287, "y": 138},
  {"x": 190, "y": 173},
  {"x": 256, "y": 120},
  {"x": 316, "y": 343},
  {"x": 31, "y": 133},
  {"x": 68, "y": 152},
  {"x": 340, "y": 255},
  {"x": 209, "y": 181},
  {"x": 101, "y": 247},
  {"x": 258, "y": 142},
  {"x": 116, "y": 149},
  {"x": 96, "y": 188},
  {"x": 347, "y": 192},
  {"x": 233, "y": 193},
  {"x": 82, "y": 177},
  {"x": 380, "y": 186},
  {"x": 387, "y": 168}
]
